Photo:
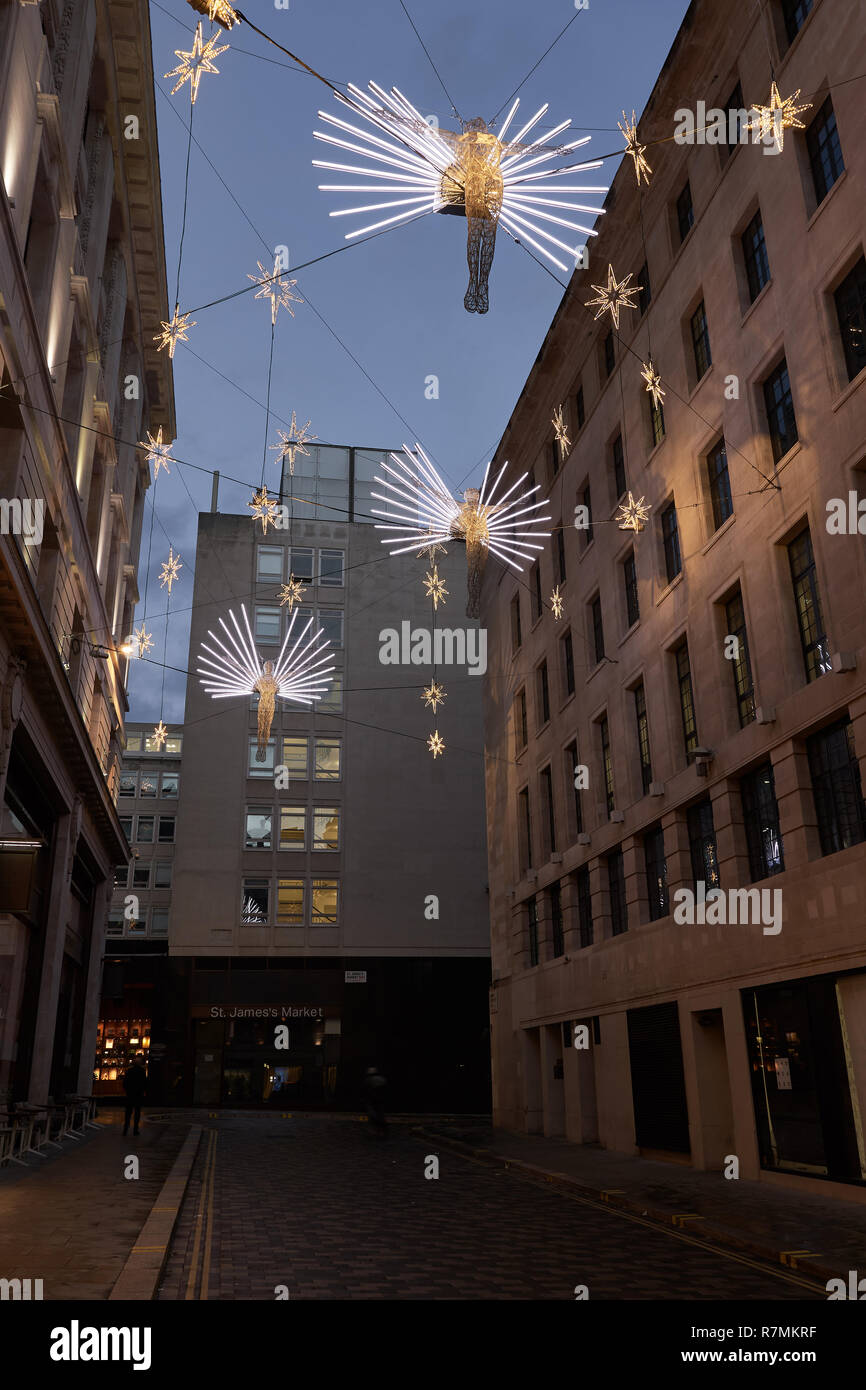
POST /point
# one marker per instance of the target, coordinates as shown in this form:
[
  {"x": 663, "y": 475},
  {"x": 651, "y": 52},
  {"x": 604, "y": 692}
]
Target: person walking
[
  {"x": 134, "y": 1084},
  {"x": 374, "y": 1091}
]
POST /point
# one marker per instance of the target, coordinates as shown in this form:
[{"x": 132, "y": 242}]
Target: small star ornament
[
  {"x": 293, "y": 442},
  {"x": 193, "y": 63},
  {"x": 174, "y": 332},
  {"x": 613, "y": 296},
  {"x": 633, "y": 148},
  {"x": 292, "y": 592},
  {"x": 779, "y": 116},
  {"x": 217, "y": 11},
  {"x": 168, "y": 573},
  {"x": 159, "y": 736},
  {"x": 272, "y": 286},
  {"x": 653, "y": 382},
  {"x": 435, "y": 587},
  {"x": 157, "y": 453},
  {"x": 633, "y": 515},
  {"x": 560, "y": 432},
  {"x": 433, "y": 695},
  {"x": 436, "y": 744},
  {"x": 557, "y": 607},
  {"x": 264, "y": 509},
  {"x": 431, "y": 550},
  {"x": 143, "y": 640}
]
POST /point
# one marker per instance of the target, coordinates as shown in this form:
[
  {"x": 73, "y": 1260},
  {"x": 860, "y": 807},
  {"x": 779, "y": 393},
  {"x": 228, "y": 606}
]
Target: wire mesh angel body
[
  {"x": 474, "y": 184},
  {"x": 266, "y": 688}
]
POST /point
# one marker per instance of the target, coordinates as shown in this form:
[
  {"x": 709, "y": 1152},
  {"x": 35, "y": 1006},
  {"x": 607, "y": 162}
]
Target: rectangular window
[
  {"x": 719, "y": 484},
  {"x": 557, "y": 934},
  {"x": 255, "y": 906},
  {"x": 687, "y": 698},
  {"x": 559, "y": 553},
  {"x": 295, "y": 758},
  {"x": 547, "y": 805},
  {"x": 629, "y": 576},
  {"x": 159, "y": 921},
  {"x": 269, "y": 563},
  {"x": 609, "y": 353},
  {"x": 616, "y": 884},
  {"x": 586, "y": 501},
  {"x": 837, "y": 788},
  {"x": 328, "y": 759},
  {"x": 779, "y": 404},
  {"x": 685, "y": 212},
  {"x": 656, "y": 873},
  {"x": 126, "y": 826},
  {"x": 144, "y": 830},
  {"x": 331, "y": 568},
  {"x": 657, "y": 420},
  {"x": 301, "y": 563},
  {"x": 645, "y": 293},
  {"x": 268, "y": 624},
  {"x": 128, "y": 784},
  {"x": 850, "y": 300},
  {"x": 643, "y": 745},
  {"x": 755, "y": 257},
  {"x": 325, "y": 902},
  {"x": 618, "y": 457},
  {"x": 543, "y": 694},
  {"x": 810, "y": 619},
  {"x": 521, "y": 732},
  {"x": 671, "y": 540},
  {"x": 166, "y": 830},
  {"x": 141, "y": 876},
  {"x": 115, "y": 924},
  {"x": 736, "y": 105},
  {"x": 567, "y": 648},
  {"x": 121, "y": 874},
  {"x": 597, "y": 628},
  {"x": 326, "y": 827},
  {"x": 572, "y": 763},
  {"x": 162, "y": 873},
  {"x": 740, "y": 663},
  {"x": 516, "y": 633},
  {"x": 761, "y": 820},
  {"x": 535, "y": 590},
  {"x": 700, "y": 341},
  {"x": 581, "y": 408},
  {"x": 265, "y": 767},
  {"x": 331, "y": 623},
  {"x": 532, "y": 915},
  {"x": 702, "y": 845},
  {"x": 607, "y": 765},
  {"x": 290, "y": 902},
  {"x": 795, "y": 14},
  {"x": 825, "y": 152},
  {"x": 133, "y": 743},
  {"x": 170, "y": 785},
  {"x": 584, "y": 907},
  {"x": 332, "y": 702},
  {"x": 148, "y": 784},
  {"x": 293, "y": 827},
  {"x": 258, "y": 828},
  {"x": 524, "y": 828}
]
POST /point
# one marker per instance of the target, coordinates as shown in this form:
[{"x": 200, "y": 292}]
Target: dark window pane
[
  {"x": 685, "y": 212},
  {"x": 779, "y": 404},
  {"x": 524, "y": 829},
  {"x": 586, "y": 501},
  {"x": 572, "y": 762},
  {"x": 607, "y": 765},
  {"x": 656, "y": 873},
  {"x": 702, "y": 844},
  {"x": 657, "y": 421},
  {"x": 644, "y": 294},
  {"x": 837, "y": 788},
  {"x": 618, "y": 467},
  {"x": 520, "y": 720},
  {"x": 755, "y": 257},
  {"x": 616, "y": 884},
  {"x": 584, "y": 907},
  {"x": 671, "y": 538},
  {"x": 609, "y": 354},
  {"x": 543, "y": 694},
  {"x": 795, "y": 14},
  {"x": 568, "y": 663},
  {"x": 761, "y": 819},
  {"x": 558, "y": 939},
  {"x": 825, "y": 152},
  {"x": 810, "y": 620},
  {"x": 547, "y": 803},
  {"x": 629, "y": 571},
  {"x": 516, "y": 631},
  {"x": 734, "y": 103},
  {"x": 701, "y": 341},
  {"x": 646, "y": 771},
  {"x": 559, "y": 554},
  {"x": 687, "y": 698},
  {"x": 533, "y": 931},
  {"x": 597, "y": 629},
  {"x": 850, "y": 300},
  {"x": 581, "y": 408},
  {"x": 741, "y": 665},
  {"x": 720, "y": 484}
]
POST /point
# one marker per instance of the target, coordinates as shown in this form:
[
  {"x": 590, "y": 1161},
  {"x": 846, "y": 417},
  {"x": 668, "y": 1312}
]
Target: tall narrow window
[
  {"x": 571, "y": 765},
  {"x": 609, "y": 355},
  {"x": 687, "y": 698},
  {"x": 520, "y": 725},
  {"x": 755, "y": 257},
  {"x": 616, "y": 884},
  {"x": 795, "y": 14},
  {"x": 850, "y": 300},
  {"x": 532, "y": 915},
  {"x": 558, "y": 938},
  {"x": 656, "y": 873},
  {"x": 629, "y": 575},
  {"x": 825, "y": 151},
  {"x": 548, "y": 811},
  {"x": 740, "y": 662},
  {"x": 737, "y": 116},
  {"x": 537, "y": 600},
  {"x": 607, "y": 765},
  {"x": 702, "y": 844},
  {"x": 559, "y": 553},
  {"x": 586, "y": 501},
  {"x": 685, "y": 212},
  {"x": 837, "y": 788},
  {"x": 581, "y": 408},
  {"x": 644, "y": 294},
  {"x": 671, "y": 542},
  {"x": 761, "y": 820},
  {"x": 543, "y": 694},
  {"x": 597, "y": 629},
  {"x": 618, "y": 457},
  {"x": 516, "y": 633},
  {"x": 779, "y": 403},
  {"x": 584, "y": 907},
  {"x": 657, "y": 420},
  {"x": 567, "y": 647},
  {"x": 810, "y": 619},
  {"x": 701, "y": 341},
  {"x": 643, "y": 746},
  {"x": 524, "y": 825},
  {"x": 719, "y": 484}
]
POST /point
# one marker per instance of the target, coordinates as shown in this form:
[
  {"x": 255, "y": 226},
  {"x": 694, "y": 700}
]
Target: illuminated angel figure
[
  {"x": 473, "y": 172},
  {"x": 423, "y": 509},
  {"x": 235, "y": 668}
]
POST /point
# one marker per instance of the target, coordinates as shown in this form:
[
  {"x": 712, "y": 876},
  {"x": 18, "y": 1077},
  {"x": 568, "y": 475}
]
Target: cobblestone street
[{"x": 321, "y": 1206}]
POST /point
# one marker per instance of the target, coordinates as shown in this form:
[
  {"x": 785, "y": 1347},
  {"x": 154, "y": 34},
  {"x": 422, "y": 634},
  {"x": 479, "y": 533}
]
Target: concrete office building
[
  {"x": 82, "y": 292},
  {"x": 352, "y": 893},
  {"x": 712, "y": 763}
]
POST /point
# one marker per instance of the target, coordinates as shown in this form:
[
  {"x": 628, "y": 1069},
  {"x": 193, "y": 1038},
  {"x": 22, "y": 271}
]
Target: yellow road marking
[{"x": 190, "y": 1286}]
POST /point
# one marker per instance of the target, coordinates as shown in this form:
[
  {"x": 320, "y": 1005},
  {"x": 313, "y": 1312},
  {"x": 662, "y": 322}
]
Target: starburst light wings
[{"x": 234, "y": 667}]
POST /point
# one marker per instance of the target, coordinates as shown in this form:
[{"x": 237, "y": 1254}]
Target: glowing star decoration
[
  {"x": 143, "y": 641},
  {"x": 633, "y": 148},
  {"x": 174, "y": 332},
  {"x": 264, "y": 509},
  {"x": 436, "y": 743},
  {"x": 560, "y": 432},
  {"x": 433, "y": 695},
  {"x": 235, "y": 668},
  {"x": 779, "y": 116},
  {"x": 557, "y": 607},
  {"x": 159, "y": 736},
  {"x": 431, "y": 550},
  {"x": 217, "y": 11},
  {"x": 272, "y": 286},
  {"x": 157, "y": 453},
  {"x": 292, "y": 592},
  {"x": 632, "y": 515},
  {"x": 435, "y": 587},
  {"x": 169, "y": 571},
  {"x": 613, "y": 296},
  {"x": 293, "y": 443},
  {"x": 472, "y": 173},
  {"x": 193, "y": 63},
  {"x": 423, "y": 510},
  {"x": 653, "y": 382}
]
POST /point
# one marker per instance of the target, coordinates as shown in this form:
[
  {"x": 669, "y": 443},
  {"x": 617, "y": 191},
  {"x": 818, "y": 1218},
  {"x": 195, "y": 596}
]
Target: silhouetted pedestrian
[
  {"x": 374, "y": 1090},
  {"x": 134, "y": 1084}
]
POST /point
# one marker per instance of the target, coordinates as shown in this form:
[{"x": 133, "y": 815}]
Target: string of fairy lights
[{"x": 414, "y": 167}]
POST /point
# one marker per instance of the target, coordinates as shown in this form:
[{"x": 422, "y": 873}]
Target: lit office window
[
  {"x": 293, "y": 827},
  {"x": 326, "y": 827},
  {"x": 325, "y": 901}
]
